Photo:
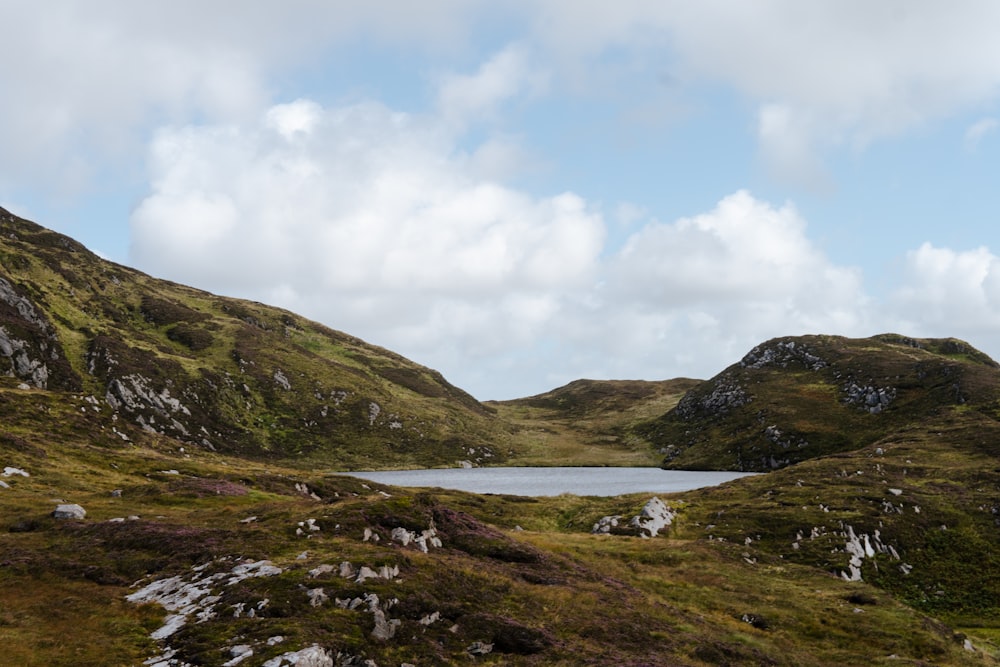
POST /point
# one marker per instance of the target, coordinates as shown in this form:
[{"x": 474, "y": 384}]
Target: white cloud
[
  {"x": 743, "y": 250},
  {"x": 832, "y": 72},
  {"x": 371, "y": 221},
  {"x": 88, "y": 81},
  {"x": 951, "y": 293},
  {"x": 692, "y": 296},
  {"x": 83, "y": 83},
  {"x": 463, "y": 98}
]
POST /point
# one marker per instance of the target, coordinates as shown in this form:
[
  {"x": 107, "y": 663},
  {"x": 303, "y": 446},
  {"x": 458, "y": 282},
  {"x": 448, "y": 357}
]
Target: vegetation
[{"x": 202, "y": 435}]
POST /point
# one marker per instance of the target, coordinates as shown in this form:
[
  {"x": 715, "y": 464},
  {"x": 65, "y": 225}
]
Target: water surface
[{"x": 554, "y": 481}]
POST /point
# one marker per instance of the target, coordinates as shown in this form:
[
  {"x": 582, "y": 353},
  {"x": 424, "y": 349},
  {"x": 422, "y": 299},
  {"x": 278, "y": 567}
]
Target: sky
[{"x": 524, "y": 193}]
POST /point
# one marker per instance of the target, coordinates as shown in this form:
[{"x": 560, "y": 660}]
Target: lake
[{"x": 553, "y": 481}]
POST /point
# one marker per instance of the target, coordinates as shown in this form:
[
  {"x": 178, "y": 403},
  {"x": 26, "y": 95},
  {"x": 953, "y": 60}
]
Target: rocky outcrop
[
  {"x": 196, "y": 595},
  {"x": 29, "y": 347},
  {"x": 654, "y": 517},
  {"x": 868, "y": 397},
  {"x": 781, "y": 354},
  {"x": 726, "y": 395}
]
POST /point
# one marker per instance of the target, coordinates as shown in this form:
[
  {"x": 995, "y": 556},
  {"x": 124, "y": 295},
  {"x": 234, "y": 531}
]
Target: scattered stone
[
  {"x": 430, "y": 619},
  {"x": 479, "y": 648},
  {"x": 426, "y": 539},
  {"x": 302, "y": 556},
  {"x": 69, "y": 511},
  {"x": 10, "y": 472},
  {"x": 366, "y": 573},
  {"x": 275, "y": 640},
  {"x": 317, "y": 596},
  {"x": 117, "y": 493},
  {"x": 313, "y": 656},
  {"x": 606, "y": 524},
  {"x": 896, "y": 492},
  {"x": 240, "y": 652},
  {"x": 249, "y": 519},
  {"x": 320, "y": 570},
  {"x": 4, "y": 485},
  {"x": 385, "y": 628}
]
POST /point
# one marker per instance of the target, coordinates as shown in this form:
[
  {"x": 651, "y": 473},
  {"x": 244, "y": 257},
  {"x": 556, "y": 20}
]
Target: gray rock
[
  {"x": 654, "y": 517},
  {"x": 69, "y": 511},
  {"x": 479, "y": 648}
]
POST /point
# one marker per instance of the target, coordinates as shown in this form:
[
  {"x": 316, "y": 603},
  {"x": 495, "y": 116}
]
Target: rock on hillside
[
  {"x": 797, "y": 398},
  {"x": 218, "y": 373}
]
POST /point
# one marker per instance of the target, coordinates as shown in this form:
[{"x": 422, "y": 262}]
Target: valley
[{"x": 200, "y": 436}]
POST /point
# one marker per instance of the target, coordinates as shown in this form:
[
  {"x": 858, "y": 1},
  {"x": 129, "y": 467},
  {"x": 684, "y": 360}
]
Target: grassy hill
[
  {"x": 793, "y": 399},
  {"x": 198, "y": 434},
  {"x": 221, "y": 374},
  {"x": 590, "y": 422}
]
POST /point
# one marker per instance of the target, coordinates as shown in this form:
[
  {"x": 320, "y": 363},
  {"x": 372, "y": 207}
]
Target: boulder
[
  {"x": 654, "y": 517},
  {"x": 69, "y": 511}
]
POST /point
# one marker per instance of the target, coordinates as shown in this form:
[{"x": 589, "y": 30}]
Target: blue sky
[{"x": 523, "y": 194}]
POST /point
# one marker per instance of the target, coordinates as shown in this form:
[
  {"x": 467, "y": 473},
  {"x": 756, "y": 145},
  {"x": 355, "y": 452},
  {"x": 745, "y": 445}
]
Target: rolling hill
[{"x": 168, "y": 496}]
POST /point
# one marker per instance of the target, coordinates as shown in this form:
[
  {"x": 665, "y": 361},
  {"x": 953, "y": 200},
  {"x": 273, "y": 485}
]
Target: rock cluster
[
  {"x": 423, "y": 540},
  {"x": 869, "y": 397},
  {"x": 654, "y": 517},
  {"x": 726, "y": 395},
  {"x": 782, "y": 353}
]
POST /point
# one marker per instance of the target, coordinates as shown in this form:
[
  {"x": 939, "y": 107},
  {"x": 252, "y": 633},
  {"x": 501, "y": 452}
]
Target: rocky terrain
[{"x": 168, "y": 496}]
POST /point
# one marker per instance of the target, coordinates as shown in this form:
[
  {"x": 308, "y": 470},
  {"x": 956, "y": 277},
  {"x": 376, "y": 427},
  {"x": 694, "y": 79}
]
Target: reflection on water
[{"x": 554, "y": 481}]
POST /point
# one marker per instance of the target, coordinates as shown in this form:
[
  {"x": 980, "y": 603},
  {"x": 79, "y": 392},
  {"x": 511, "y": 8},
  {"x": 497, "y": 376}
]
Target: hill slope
[
  {"x": 590, "y": 422},
  {"x": 193, "y": 432},
  {"x": 799, "y": 398},
  {"x": 217, "y": 373}
]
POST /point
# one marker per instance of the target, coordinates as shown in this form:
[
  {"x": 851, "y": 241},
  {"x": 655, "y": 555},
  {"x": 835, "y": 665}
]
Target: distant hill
[
  {"x": 221, "y": 374},
  {"x": 798, "y": 398},
  {"x": 590, "y": 422}
]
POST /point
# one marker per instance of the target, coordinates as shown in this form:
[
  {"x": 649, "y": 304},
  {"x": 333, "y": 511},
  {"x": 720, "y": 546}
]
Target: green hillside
[
  {"x": 221, "y": 374},
  {"x": 168, "y": 496},
  {"x": 793, "y": 399}
]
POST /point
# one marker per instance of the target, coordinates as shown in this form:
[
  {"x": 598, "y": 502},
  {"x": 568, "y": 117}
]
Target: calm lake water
[{"x": 553, "y": 481}]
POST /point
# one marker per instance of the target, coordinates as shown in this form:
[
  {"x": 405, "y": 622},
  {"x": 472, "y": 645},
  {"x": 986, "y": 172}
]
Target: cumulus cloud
[
  {"x": 951, "y": 293},
  {"x": 368, "y": 219},
  {"x": 375, "y": 222},
  {"x": 84, "y": 83},
  {"x": 692, "y": 295}
]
